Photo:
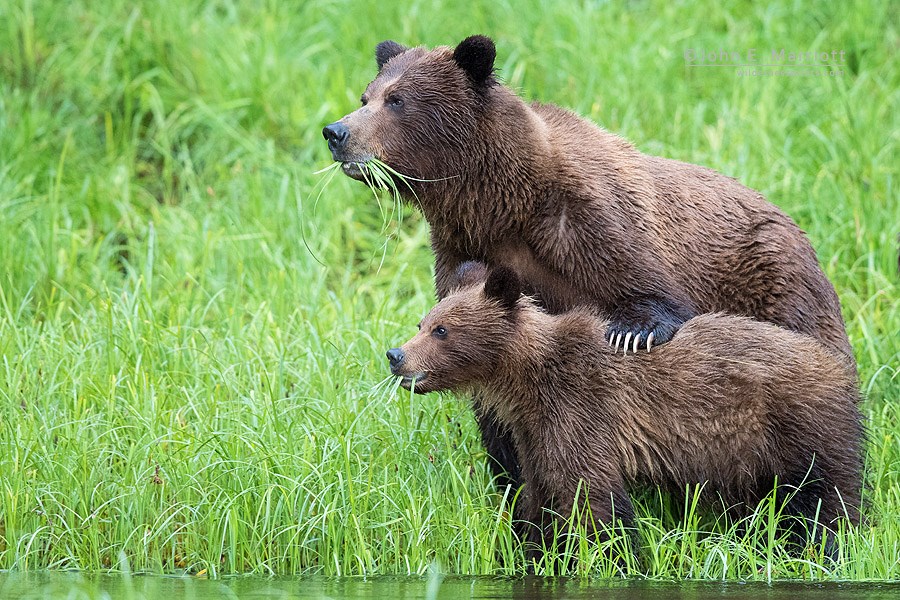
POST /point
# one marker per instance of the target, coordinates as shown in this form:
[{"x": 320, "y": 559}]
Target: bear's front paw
[
  {"x": 634, "y": 336},
  {"x": 645, "y": 322}
]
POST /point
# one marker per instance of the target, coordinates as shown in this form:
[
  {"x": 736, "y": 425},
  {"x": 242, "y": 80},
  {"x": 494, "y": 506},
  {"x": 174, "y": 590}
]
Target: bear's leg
[
  {"x": 801, "y": 507},
  {"x": 813, "y": 506},
  {"x": 639, "y": 323},
  {"x": 821, "y": 484},
  {"x": 605, "y": 519},
  {"x": 601, "y": 517},
  {"x": 529, "y": 521},
  {"x": 498, "y": 443},
  {"x": 613, "y": 514}
]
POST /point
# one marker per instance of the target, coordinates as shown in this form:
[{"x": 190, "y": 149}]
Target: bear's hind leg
[{"x": 813, "y": 506}]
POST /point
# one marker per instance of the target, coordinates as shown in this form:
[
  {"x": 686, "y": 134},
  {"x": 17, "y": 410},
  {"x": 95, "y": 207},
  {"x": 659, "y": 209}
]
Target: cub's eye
[
  {"x": 440, "y": 332},
  {"x": 363, "y": 100},
  {"x": 395, "y": 101}
]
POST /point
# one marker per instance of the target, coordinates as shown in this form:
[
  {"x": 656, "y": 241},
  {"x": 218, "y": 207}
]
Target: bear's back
[
  {"x": 727, "y": 399},
  {"x": 731, "y": 249}
]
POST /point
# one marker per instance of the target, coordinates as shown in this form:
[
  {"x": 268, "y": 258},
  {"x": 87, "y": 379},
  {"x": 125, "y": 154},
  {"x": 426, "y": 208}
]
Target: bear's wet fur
[
  {"x": 730, "y": 402},
  {"x": 582, "y": 216}
]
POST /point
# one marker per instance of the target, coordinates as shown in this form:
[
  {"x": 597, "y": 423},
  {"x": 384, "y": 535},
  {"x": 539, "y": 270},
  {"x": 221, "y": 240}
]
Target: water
[{"x": 76, "y": 586}]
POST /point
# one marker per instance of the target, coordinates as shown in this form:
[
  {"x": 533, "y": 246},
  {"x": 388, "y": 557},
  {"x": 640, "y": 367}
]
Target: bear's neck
[
  {"x": 494, "y": 195},
  {"x": 553, "y": 390},
  {"x": 548, "y": 359}
]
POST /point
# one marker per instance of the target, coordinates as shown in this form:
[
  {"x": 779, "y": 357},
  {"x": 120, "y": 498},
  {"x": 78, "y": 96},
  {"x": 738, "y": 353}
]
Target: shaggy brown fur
[
  {"x": 730, "y": 401},
  {"x": 583, "y": 217}
]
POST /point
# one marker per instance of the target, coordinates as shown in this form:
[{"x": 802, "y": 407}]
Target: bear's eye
[
  {"x": 440, "y": 332},
  {"x": 395, "y": 101},
  {"x": 363, "y": 100}
]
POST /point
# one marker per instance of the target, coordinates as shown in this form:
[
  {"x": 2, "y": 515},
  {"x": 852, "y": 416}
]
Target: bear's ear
[
  {"x": 387, "y": 50},
  {"x": 470, "y": 272},
  {"x": 475, "y": 55},
  {"x": 503, "y": 284}
]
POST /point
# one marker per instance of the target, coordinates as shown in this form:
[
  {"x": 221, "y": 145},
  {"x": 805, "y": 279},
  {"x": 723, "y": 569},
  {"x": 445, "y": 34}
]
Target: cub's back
[{"x": 724, "y": 399}]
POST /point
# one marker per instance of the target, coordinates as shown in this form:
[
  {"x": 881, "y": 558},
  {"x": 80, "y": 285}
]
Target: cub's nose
[
  {"x": 337, "y": 135},
  {"x": 395, "y": 357}
]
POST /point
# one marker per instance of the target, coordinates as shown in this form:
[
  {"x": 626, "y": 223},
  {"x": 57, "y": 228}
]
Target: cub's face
[
  {"x": 419, "y": 114},
  {"x": 462, "y": 339}
]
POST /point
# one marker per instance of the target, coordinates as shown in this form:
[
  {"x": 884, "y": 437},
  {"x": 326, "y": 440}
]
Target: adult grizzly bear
[
  {"x": 729, "y": 402},
  {"x": 582, "y": 216}
]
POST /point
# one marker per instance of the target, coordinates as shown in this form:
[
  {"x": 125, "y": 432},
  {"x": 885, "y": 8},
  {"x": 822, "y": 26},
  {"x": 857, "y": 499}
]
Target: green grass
[{"x": 192, "y": 322}]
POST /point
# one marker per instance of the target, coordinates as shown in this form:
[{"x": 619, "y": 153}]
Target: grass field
[{"x": 193, "y": 324}]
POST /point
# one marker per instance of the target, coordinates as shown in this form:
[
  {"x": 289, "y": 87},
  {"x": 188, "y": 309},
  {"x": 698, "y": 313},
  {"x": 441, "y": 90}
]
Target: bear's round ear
[
  {"x": 475, "y": 55},
  {"x": 387, "y": 50},
  {"x": 503, "y": 284},
  {"x": 470, "y": 272}
]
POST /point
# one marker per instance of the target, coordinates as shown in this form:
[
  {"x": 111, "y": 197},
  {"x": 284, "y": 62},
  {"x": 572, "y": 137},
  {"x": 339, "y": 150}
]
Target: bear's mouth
[
  {"x": 354, "y": 169},
  {"x": 406, "y": 381}
]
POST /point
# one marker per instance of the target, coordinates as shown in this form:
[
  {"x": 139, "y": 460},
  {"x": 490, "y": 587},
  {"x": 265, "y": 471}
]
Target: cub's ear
[
  {"x": 387, "y": 50},
  {"x": 475, "y": 55},
  {"x": 470, "y": 272},
  {"x": 503, "y": 284}
]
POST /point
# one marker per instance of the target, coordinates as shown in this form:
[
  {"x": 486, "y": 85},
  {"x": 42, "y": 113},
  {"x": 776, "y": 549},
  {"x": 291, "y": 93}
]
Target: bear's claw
[
  {"x": 645, "y": 322},
  {"x": 632, "y": 341}
]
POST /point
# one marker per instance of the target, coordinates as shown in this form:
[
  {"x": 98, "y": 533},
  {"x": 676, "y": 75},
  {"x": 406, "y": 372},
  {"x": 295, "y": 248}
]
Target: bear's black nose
[
  {"x": 395, "y": 356},
  {"x": 336, "y": 134}
]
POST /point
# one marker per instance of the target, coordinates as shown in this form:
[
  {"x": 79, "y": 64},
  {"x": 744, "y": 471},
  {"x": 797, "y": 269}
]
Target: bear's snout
[
  {"x": 337, "y": 135},
  {"x": 395, "y": 357}
]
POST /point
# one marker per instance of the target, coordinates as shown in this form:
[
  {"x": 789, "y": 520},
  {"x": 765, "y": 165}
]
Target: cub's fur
[{"x": 730, "y": 402}]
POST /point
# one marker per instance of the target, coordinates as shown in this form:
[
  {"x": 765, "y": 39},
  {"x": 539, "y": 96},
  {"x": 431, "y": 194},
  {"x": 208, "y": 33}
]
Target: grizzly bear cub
[
  {"x": 732, "y": 403},
  {"x": 583, "y": 216}
]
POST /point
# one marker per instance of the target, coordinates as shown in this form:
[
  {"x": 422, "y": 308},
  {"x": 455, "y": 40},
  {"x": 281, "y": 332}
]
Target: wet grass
[{"x": 192, "y": 321}]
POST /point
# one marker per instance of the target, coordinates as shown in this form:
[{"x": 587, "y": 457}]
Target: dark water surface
[{"x": 76, "y": 586}]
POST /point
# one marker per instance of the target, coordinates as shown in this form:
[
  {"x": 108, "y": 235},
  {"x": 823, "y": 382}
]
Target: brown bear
[
  {"x": 730, "y": 402},
  {"x": 584, "y": 217}
]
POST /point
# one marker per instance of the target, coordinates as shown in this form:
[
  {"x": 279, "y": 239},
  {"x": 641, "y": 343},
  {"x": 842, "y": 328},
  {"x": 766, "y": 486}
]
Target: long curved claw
[
  {"x": 649, "y": 341},
  {"x": 618, "y": 339},
  {"x": 625, "y": 345},
  {"x": 637, "y": 340}
]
